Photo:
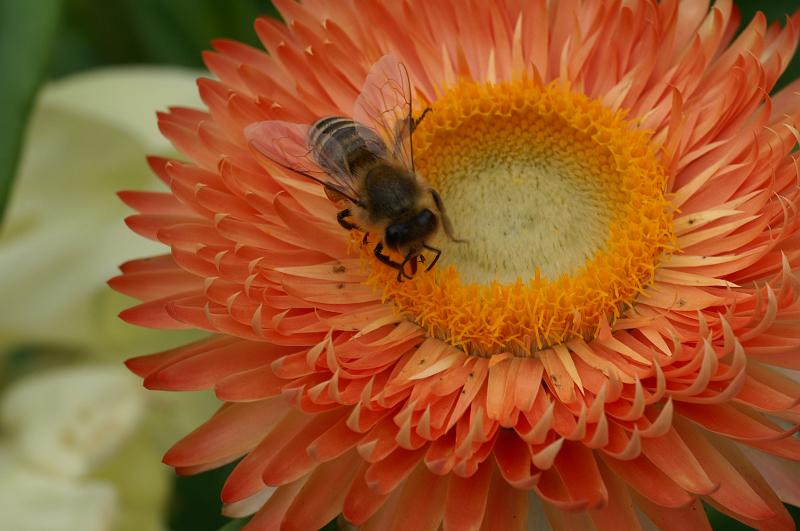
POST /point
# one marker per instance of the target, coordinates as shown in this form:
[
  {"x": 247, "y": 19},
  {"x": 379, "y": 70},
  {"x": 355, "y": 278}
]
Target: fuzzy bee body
[
  {"x": 368, "y": 162},
  {"x": 385, "y": 189},
  {"x": 392, "y": 199}
]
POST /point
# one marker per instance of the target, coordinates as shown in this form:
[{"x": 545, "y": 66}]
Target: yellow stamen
[{"x": 562, "y": 203}]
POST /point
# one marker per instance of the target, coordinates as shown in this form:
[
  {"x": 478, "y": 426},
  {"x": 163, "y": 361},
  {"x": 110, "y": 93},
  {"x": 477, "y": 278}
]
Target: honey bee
[{"x": 367, "y": 163}]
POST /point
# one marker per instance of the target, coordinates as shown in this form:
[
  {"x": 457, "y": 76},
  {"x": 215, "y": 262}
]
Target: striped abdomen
[{"x": 344, "y": 147}]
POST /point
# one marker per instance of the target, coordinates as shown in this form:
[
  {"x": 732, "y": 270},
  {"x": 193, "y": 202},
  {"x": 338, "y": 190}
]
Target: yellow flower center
[{"x": 562, "y": 203}]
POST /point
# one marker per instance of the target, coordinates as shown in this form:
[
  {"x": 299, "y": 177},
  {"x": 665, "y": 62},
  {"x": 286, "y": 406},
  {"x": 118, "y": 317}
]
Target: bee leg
[
  {"x": 412, "y": 260},
  {"x": 416, "y": 122},
  {"x": 340, "y": 217},
  {"x": 401, "y": 272},
  {"x": 385, "y": 259},
  {"x": 435, "y": 258},
  {"x": 365, "y": 239},
  {"x": 448, "y": 227}
]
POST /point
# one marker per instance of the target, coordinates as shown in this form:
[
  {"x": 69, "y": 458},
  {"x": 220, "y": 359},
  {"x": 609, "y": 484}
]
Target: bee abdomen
[{"x": 341, "y": 145}]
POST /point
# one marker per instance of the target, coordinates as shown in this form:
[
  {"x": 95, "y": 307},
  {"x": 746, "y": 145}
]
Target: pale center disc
[
  {"x": 538, "y": 210},
  {"x": 524, "y": 199}
]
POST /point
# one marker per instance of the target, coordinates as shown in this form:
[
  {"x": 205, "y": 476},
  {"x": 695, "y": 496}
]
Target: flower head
[{"x": 607, "y": 338}]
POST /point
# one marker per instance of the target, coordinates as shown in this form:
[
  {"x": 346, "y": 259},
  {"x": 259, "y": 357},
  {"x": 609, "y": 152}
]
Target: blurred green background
[{"x": 42, "y": 40}]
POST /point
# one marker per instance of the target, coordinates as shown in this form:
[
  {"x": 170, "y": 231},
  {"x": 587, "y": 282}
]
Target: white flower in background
[
  {"x": 67, "y": 421},
  {"x": 59, "y": 426},
  {"x": 79, "y": 449},
  {"x": 63, "y": 235},
  {"x": 31, "y": 500}
]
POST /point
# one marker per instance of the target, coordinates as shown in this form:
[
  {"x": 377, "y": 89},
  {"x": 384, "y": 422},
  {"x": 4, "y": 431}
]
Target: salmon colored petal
[
  {"x": 154, "y": 313},
  {"x": 781, "y": 475},
  {"x": 312, "y": 508},
  {"x": 649, "y": 481},
  {"x": 384, "y": 475},
  {"x": 750, "y": 429},
  {"x": 151, "y": 285},
  {"x": 734, "y": 492},
  {"x": 361, "y": 502},
  {"x": 221, "y": 436},
  {"x": 507, "y": 507},
  {"x": 246, "y": 478},
  {"x": 146, "y": 365},
  {"x": 673, "y": 457},
  {"x": 514, "y": 461},
  {"x": 270, "y": 515},
  {"x": 561, "y": 520},
  {"x": 619, "y": 513},
  {"x": 410, "y": 509},
  {"x": 670, "y": 519},
  {"x": 334, "y": 442},
  {"x": 588, "y": 485},
  {"x": 781, "y": 519},
  {"x": 204, "y": 370},
  {"x": 293, "y": 460},
  {"x": 466, "y": 499},
  {"x": 248, "y": 385}
]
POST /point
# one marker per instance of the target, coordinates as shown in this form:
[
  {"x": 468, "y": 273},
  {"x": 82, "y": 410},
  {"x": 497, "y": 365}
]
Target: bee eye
[
  {"x": 397, "y": 234},
  {"x": 417, "y": 228},
  {"x": 425, "y": 222}
]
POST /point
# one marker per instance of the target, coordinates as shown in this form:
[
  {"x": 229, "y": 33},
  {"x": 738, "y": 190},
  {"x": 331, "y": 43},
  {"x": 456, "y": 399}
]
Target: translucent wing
[
  {"x": 384, "y": 106},
  {"x": 286, "y": 144}
]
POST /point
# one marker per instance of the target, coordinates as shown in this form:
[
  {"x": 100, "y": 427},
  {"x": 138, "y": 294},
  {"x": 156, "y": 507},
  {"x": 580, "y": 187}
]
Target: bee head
[{"x": 415, "y": 229}]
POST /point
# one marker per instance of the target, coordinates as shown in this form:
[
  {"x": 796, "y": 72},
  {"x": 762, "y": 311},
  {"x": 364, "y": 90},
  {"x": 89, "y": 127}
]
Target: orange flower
[{"x": 606, "y": 341}]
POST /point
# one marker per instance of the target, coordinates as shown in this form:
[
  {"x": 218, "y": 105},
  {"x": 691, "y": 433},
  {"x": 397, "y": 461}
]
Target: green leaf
[
  {"x": 150, "y": 31},
  {"x": 26, "y": 34},
  {"x": 196, "y": 504},
  {"x": 235, "y": 525}
]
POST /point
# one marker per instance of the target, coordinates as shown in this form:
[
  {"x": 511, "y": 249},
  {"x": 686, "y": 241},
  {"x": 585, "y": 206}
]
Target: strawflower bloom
[{"x": 609, "y": 346}]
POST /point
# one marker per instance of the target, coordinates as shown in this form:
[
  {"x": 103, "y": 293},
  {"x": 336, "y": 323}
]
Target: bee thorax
[{"x": 391, "y": 193}]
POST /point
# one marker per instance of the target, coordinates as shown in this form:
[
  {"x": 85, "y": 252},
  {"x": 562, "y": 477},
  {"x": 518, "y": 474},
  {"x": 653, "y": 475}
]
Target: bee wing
[
  {"x": 384, "y": 106},
  {"x": 285, "y": 144}
]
